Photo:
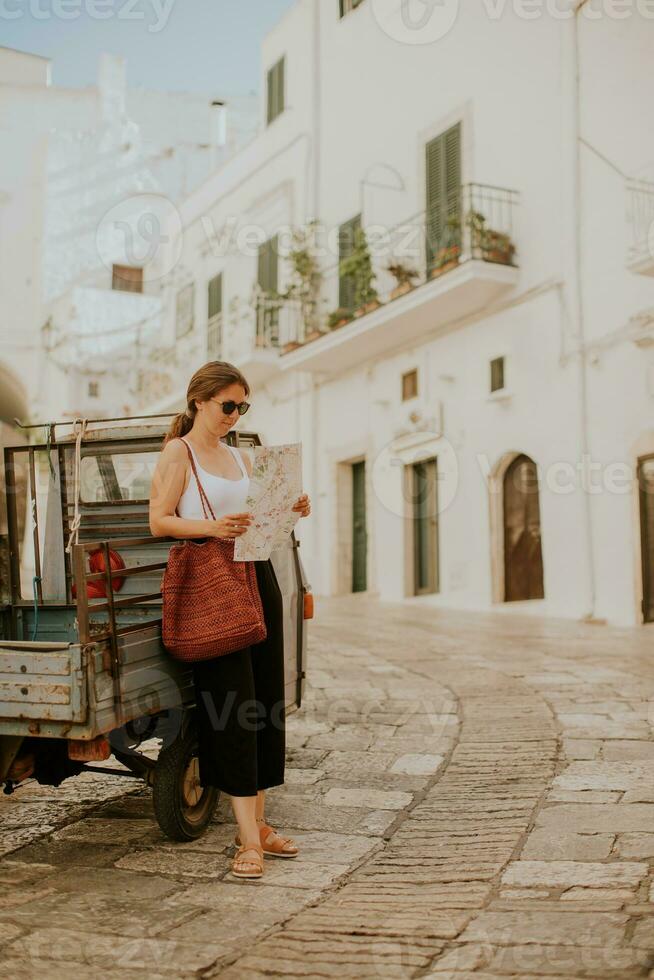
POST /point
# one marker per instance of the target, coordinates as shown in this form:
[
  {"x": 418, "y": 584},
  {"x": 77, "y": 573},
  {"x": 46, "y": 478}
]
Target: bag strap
[{"x": 204, "y": 500}]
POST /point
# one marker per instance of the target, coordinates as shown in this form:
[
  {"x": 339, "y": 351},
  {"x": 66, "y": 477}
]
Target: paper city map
[{"x": 275, "y": 485}]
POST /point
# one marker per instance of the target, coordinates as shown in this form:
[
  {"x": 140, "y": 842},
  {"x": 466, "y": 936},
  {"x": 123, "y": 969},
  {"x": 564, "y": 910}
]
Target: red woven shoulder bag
[{"x": 211, "y": 603}]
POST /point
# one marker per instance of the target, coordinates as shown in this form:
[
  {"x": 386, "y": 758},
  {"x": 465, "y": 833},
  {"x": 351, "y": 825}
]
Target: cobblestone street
[{"x": 473, "y": 796}]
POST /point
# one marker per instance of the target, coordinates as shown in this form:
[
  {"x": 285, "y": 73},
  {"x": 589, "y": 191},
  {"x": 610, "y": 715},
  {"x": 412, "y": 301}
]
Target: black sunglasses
[{"x": 228, "y": 407}]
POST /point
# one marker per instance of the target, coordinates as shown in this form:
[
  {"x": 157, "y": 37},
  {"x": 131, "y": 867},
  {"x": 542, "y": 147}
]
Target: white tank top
[{"x": 225, "y": 495}]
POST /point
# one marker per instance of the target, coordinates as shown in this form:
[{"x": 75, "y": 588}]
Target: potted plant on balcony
[
  {"x": 498, "y": 247},
  {"x": 338, "y": 317},
  {"x": 494, "y": 246},
  {"x": 447, "y": 256},
  {"x": 358, "y": 266},
  {"x": 403, "y": 275},
  {"x": 289, "y": 346},
  {"x": 306, "y": 280}
]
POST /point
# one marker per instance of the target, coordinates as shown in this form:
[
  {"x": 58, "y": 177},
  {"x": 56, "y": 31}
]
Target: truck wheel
[{"x": 182, "y": 806}]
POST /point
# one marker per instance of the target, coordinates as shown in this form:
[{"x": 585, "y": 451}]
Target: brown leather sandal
[
  {"x": 273, "y": 844},
  {"x": 243, "y": 867}
]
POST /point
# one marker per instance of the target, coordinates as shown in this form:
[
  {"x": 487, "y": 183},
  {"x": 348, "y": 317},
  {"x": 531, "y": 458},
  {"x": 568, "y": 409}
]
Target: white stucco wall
[{"x": 360, "y": 108}]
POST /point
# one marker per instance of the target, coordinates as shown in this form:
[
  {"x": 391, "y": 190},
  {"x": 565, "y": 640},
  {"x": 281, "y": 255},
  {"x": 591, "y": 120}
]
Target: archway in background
[
  {"x": 13, "y": 396},
  {"x": 516, "y": 552}
]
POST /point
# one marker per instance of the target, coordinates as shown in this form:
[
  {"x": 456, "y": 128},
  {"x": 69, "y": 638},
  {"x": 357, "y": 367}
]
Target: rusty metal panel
[
  {"x": 150, "y": 680},
  {"x": 52, "y": 691}
]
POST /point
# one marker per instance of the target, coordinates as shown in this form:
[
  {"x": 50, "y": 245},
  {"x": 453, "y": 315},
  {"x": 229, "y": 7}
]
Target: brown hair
[{"x": 207, "y": 381}]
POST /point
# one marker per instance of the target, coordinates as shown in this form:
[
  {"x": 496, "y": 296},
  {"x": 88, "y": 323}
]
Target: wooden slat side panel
[
  {"x": 48, "y": 685},
  {"x": 150, "y": 680}
]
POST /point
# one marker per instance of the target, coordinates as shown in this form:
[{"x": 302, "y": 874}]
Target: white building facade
[
  {"x": 87, "y": 177},
  {"x": 477, "y": 424}
]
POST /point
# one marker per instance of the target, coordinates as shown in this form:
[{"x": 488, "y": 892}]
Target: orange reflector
[
  {"x": 308, "y": 605},
  {"x": 93, "y": 750}
]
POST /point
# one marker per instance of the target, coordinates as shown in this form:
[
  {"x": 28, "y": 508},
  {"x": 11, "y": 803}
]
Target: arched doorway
[{"x": 523, "y": 557}]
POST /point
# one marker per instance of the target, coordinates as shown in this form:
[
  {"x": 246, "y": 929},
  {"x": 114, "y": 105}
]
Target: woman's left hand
[{"x": 303, "y": 504}]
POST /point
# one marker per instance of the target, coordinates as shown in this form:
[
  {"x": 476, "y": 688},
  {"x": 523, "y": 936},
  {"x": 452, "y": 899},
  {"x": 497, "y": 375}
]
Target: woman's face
[{"x": 212, "y": 413}]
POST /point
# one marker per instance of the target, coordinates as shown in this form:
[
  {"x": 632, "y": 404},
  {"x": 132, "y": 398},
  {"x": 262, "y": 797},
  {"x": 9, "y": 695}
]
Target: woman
[{"x": 240, "y": 754}]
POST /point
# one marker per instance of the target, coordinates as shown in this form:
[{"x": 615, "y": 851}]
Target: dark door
[
  {"x": 523, "y": 558},
  {"x": 359, "y": 536},
  {"x": 646, "y": 489},
  {"x": 443, "y": 191},
  {"x": 424, "y": 496}
]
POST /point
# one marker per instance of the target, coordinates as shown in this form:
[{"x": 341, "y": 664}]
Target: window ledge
[{"x": 501, "y": 395}]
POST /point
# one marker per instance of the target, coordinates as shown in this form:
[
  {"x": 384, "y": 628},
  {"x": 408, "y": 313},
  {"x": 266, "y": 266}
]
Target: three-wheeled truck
[{"x": 83, "y": 672}]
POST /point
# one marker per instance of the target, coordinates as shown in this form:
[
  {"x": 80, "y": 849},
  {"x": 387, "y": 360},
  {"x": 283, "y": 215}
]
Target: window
[
  {"x": 214, "y": 317},
  {"x": 443, "y": 198},
  {"x": 348, "y": 5},
  {"x": 94, "y": 389},
  {"x": 184, "y": 311},
  {"x": 268, "y": 280},
  {"x": 116, "y": 476},
  {"x": 128, "y": 278},
  {"x": 409, "y": 385},
  {"x": 497, "y": 373},
  {"x": 346, "y": 241},
  {"x": 275, "y": 90}
]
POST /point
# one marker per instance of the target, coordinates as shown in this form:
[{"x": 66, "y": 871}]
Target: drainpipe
[
  {"x": 316, "y": 148},
  {"x": 579, "y": 301}
]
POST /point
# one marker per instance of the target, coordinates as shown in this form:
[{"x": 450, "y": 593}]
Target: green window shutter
[
  {"x": 347, "y": 5},
  {"x": 275, "y": 90},
  {"x": 280, "y": 86},
  {"x": 267, "y": 277},
  {"x": 267, "y": 274},
  {"x": 270, "y": 90},
  {"x": 215, "y": 296},
  {"x": 346, "y": 284},
  {"x": 497, "y": 373},
  {"x": 443, "y": 191}
]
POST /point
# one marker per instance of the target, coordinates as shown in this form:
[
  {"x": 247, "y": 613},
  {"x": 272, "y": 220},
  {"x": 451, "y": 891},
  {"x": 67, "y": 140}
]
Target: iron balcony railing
[
  {"x": 473, "y": 223},
  {"x": 640, "y": 215},
  {"x": 277, "y": 319}
]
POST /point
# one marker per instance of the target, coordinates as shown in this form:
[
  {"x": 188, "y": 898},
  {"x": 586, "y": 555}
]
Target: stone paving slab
[{"x": 470, "y": 795}]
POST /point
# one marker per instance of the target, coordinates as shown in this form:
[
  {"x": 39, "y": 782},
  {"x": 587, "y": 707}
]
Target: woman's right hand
[{"x": 231, "y": 525}]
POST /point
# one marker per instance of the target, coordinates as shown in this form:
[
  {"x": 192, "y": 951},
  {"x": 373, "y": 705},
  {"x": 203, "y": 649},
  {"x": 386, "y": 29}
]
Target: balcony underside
[
  {"x": 407, "y": 320},
  {"x": 641, "y": 262},
  {"x": 259, "y": 364}
]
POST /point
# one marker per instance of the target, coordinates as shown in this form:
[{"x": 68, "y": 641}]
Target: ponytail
[{"x": 180, "y": 425}]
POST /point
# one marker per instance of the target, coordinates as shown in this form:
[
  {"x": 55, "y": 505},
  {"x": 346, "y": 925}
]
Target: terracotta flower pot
[
  {"x": 401, "y": 289},
  {"x": 440, "y": 269},
  {"x": 367, "y": 308}
]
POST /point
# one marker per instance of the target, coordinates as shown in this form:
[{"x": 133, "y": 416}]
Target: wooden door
[
  {"x": 359, "y": 534},
  {"x": 424, "y": 496},
  {"x": 523, "y": 558},
  {"x": 646, "y": 492}
]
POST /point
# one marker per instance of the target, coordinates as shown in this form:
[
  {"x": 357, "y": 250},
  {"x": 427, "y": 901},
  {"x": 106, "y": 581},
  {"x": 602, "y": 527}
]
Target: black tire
[{"x": 182, "y": 807}]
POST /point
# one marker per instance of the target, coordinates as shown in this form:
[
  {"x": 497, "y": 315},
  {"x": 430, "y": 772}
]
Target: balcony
[
  {"x": 447, "y": 264},
  {"x": 263, "y": 330},
  {"x": 640, "y": 214}
]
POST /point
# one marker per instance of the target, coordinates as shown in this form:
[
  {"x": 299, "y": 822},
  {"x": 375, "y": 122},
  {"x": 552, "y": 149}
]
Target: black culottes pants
[{"x": 240, "y": 705}]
